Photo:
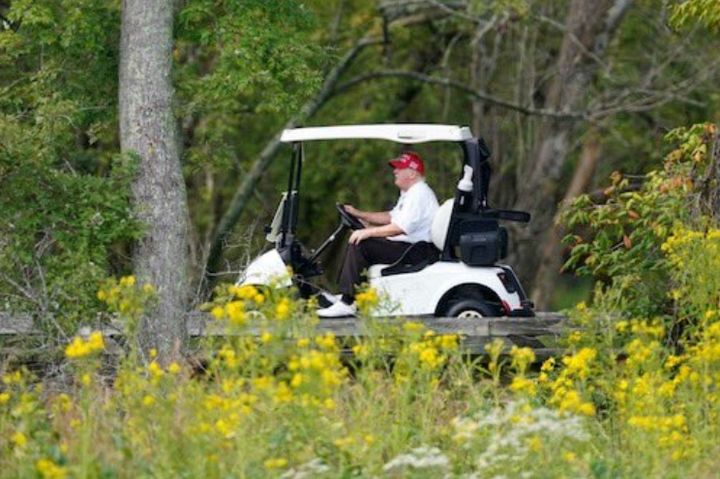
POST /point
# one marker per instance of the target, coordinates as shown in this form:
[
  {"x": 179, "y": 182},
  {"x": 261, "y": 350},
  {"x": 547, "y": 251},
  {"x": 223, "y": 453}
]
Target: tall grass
[{"x": 406, "y": 403}]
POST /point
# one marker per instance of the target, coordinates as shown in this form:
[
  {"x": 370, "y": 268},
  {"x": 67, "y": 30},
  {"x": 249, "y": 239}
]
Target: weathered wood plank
[
  {"x": 201, "y": 324},
  {"x": 542, "y": 325},
  {"x": 475, "y": 333},
  {"x": 15, "y": 324}
]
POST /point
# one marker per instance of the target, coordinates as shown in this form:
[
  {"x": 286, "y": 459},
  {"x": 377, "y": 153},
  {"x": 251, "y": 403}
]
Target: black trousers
[{"x": 359, "y": 257}]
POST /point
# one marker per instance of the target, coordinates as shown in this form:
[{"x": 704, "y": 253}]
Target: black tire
[{"x": 471, "y": 309}]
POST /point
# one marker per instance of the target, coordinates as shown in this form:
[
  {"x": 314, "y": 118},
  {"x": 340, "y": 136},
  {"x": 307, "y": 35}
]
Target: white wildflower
[
  {"x": 419, "y": 458},
  {"x": 310, "y": 469}
]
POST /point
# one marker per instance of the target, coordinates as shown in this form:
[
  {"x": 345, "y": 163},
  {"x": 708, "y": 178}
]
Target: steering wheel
[{"x": 347, "y": 219}]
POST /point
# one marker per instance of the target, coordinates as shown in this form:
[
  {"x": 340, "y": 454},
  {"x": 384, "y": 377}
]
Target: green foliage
[
  {"x": 237, "y": 60},
  {"x": 66, "y": 219},
  {"x": 65, "y": 203},
  {"x": 706, "y": 12},
  {"x": 624, "y": 235}
]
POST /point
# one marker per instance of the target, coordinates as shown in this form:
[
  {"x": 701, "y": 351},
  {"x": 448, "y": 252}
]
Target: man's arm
[
  {"x": 369, "y": 217},
  {"x": 390, "y": 229}
]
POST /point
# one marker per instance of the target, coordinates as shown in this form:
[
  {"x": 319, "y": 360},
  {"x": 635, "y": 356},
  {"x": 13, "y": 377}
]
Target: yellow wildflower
[
  {"x": 575, "y": 337},
  {"x": 80, "y": 347},
  {"x": 572, "y": 402},
  {"x": 413, "y": 327},
  {"x": 548, "y": 365},
  {"x": 276, "y": 463},
  {"x": 578, "y": 363},
  {"x": 326, "y": 341},
  {"x": 225, "y": 428},
  {"x": 127, "y": 281},
  {"x": 282, "y": 310},
  {"x": 296, "y": 380},
  {"x": 430, "y": 358},
  {"x": 244, "y": 292},
  {"x": 361, "y": 350},
  {"x": 367, "y": 299},
  {"x": 62, "y": 402},
  {"x": 344, "y": 441},
  {"x": 228, "y": 356},
  {"x": 621, "y": 326},
  {"x": 155, "y": 370},
  {"x": 283, "y": 394},
  {"x": 19, "y": 439},
  {"x": 218, "y": 312},
  {"x": 4, "y": 397},
  {"x": 523, "y": 385},
  {"x": 49, "y": 470},
  {"x": 448, "y": 342},
  {"x": 235, "y": 311},
  {"x": 14, "y": 377},
  {"x": 534, "y": 443},
  {"x": 521, "y": 357},
  {"x": 263, "y": 382},
  {"x": 495, "y": 347}
]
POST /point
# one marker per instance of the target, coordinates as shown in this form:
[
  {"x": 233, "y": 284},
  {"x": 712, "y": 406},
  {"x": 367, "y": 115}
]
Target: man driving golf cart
[
  {"x": 455, "y": 274},
  {"x": 387, "y": 234}
]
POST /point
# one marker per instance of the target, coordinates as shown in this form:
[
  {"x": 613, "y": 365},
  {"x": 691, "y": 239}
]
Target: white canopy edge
[{"x": 400, "y": 133}]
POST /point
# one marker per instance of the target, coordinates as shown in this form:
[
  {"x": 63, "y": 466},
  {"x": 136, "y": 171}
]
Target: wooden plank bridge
[{"x": 539, "y": 332}]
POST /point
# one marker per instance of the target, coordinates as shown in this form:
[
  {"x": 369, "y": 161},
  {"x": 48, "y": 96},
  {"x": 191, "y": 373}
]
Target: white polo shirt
[{"x": 414, "y": 213}]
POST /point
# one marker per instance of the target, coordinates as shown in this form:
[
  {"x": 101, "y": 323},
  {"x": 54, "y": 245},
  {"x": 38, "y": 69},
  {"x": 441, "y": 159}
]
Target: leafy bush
[{"x": 619, "y": 241}]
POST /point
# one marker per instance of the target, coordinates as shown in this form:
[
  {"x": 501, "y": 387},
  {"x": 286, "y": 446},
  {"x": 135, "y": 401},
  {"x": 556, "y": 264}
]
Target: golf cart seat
[{"x": 421, "y": 254}]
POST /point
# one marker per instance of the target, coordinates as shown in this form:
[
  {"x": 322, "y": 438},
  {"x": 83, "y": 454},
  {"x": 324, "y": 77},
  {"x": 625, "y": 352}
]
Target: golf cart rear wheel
[{"x": 470, "y": 309}]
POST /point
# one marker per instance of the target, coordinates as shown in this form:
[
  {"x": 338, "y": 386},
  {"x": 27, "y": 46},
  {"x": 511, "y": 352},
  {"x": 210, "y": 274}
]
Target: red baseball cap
[{"x": 409, "y": 159}]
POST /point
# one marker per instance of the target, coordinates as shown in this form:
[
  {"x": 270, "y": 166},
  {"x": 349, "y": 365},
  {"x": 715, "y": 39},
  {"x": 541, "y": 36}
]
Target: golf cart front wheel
[{"x": 470, "y": 309}]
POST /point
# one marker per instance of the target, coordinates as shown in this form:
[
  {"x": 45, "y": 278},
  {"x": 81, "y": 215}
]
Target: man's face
[{"x": 404, "y": 178}]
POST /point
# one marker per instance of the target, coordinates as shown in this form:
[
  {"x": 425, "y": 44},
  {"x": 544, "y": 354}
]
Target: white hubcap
[{"x": 469, "y": 314}]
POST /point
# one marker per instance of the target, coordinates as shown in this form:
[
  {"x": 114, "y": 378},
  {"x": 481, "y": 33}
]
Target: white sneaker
[
  {"x": 331, "y": 298},
  {"x": 337, "y": 310}
]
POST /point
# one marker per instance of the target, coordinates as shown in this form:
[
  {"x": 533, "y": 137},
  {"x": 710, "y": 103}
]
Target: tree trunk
[
  {"x": 710, "y": 197},
  {"x": 590, "y": 25},
  {"x": 550, "y": 252},
  {"x": 148, "y": 130}
]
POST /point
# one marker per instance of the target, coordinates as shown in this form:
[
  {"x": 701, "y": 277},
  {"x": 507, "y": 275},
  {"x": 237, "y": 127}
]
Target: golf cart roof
[{"x": 400, "y": 133}]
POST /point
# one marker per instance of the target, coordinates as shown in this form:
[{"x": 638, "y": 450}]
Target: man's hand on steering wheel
[{"x": 348, "y": 219}]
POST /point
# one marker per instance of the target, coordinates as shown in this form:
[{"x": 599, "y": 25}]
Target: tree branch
[
  {"x": 447, "y": 82},
  {"x": 242, "y": 194}
]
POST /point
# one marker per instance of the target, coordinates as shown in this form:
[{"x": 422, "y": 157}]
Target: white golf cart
[{"x": 458, "y": 276}]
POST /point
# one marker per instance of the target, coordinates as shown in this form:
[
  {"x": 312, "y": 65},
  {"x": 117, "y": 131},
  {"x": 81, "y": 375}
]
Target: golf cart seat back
[{"x": 472, "y": 238}]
